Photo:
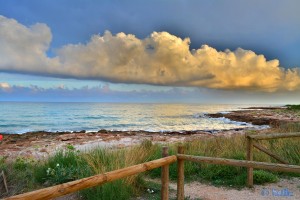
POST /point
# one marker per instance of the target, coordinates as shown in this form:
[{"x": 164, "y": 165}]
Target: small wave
[
  {"x": 175, "y": 116},
  {"x": 93, "y": 117},
  {"x": 12, "y": 125},
  {"x": 228, "y": 121},
  {"x": 201, "y": 115},
  {"x": 124, "y": 125},
  {"x": 152, "y": 130},
  {"x": 224, "y": 112},
  {"x": 22, "y": 131}
]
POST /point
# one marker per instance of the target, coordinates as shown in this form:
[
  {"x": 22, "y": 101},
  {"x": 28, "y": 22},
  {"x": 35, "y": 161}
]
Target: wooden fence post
[
  {"x": 180, "y": 175},
  {"x": 249, "y": 158},
  {"x": 4, "y": 181},
  {"x": 165, "y": 177}
]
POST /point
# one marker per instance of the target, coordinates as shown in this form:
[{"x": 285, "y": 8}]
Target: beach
[
  {"x": 27, "y": 150},
  {"x": 41, "y": 144}
]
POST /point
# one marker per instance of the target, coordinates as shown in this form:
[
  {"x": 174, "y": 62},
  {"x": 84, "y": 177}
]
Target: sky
[{"x": 150, "y": 51}]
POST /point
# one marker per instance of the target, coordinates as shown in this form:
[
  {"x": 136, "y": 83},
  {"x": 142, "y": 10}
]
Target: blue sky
[{"x": 152, "y": 58}]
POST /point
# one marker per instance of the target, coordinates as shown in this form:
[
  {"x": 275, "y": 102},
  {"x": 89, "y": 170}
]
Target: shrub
[
  {"x": 61, "y": 174},
  {"x": 261, "y": 176},
  {"x": 293, "y": 107},
  {"x": 64, "y": 166},
  {"x": 109, "y": 191}
]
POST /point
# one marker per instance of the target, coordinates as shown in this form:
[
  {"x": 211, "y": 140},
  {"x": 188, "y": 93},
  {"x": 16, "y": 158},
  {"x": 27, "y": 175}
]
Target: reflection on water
[{"x": 23, "y": 117}]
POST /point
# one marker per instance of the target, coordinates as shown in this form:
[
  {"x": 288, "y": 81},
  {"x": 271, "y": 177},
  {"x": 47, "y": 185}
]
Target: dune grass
[{"x": 25, "y": 174}]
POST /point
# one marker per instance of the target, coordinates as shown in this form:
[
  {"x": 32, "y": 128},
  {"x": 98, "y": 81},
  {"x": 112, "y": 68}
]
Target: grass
[
  {"x": 293, "y": 107},
  {"x": 25, "y": 174},
  {"x": 288, "y": 127},
  {"x": 292, "y": 110},
  {"x": 232, "y": 148}
]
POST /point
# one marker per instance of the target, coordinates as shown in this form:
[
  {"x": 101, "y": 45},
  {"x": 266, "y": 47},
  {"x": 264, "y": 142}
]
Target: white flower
[
  {"x": 57, "y": 165},
  {"x": 48, "y": 171},
  {"x": 150, "y": 191}
]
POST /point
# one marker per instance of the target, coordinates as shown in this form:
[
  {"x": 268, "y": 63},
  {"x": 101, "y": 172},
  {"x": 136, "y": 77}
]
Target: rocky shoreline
[
  {"x": 38, "y": 145},
  {"x": 271, "y": 116}
]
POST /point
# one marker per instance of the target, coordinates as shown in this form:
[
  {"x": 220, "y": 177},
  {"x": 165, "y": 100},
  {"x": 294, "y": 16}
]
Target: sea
[{"x": 20, "y": 117}]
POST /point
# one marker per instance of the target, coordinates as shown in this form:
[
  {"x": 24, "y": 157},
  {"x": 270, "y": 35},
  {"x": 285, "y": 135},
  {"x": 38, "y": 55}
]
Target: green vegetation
[
  {"x": 288, "y": 127},
  {"x": 64, "y": 166},
  {"x": 293, "y": 107},
  {"x": 26, "y": 174},
  {"x": 261, "y": 176},
  {"x": 232, "y": 148},
  {"x": 291, "y": 110}
]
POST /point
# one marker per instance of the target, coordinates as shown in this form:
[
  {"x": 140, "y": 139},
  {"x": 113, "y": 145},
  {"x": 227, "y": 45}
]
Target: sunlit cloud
[
  {"x": 159, "y": 59},
  {"x": 23, "y": 49},
  {"x": 5, "y": 86}
]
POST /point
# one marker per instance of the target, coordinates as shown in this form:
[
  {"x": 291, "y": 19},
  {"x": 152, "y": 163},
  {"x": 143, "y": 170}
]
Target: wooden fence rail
[
  {"x": 74, "y": 186},
  {"x": 268, "y": 152},
  {"x": 252, "y": 141},
  {"x": 274, "y": 136},
  {"x": 223, "y": 161},
  {"x": 241, "y": 163}
]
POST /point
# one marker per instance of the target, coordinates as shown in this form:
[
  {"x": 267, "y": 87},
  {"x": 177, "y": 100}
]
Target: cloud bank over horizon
[
  {"x": 159, "y": 59},
  {"x": 106, "y": 93}
]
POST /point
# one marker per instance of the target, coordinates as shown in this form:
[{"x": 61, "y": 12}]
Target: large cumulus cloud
[
  {"x": 23, "y": 49},
  {"x": 160, "y": 59}
]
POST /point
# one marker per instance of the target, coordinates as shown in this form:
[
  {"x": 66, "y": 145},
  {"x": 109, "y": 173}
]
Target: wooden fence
[
  {"x": 252, "y": 141},
  {"x": 74, "y": 186}
]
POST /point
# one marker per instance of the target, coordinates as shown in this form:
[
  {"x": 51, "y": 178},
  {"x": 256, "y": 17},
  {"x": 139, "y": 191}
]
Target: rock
[
  {"x": 67, "y": 137},
  {"x": 102, "y": 131},
  {"x": 158, "y": 138},
  {"x": 43, "y": 150},
  {"x": 107, "y": 138},
  {"x": 216, "y": 115},
  {"x": 12, "y": 142}
]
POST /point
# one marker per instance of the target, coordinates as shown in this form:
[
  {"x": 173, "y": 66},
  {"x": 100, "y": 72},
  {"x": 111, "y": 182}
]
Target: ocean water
[{"x": 19, "y": 118}]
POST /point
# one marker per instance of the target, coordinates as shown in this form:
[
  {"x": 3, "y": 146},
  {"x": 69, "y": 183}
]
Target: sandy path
[{"x": 288, "y": 189}]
